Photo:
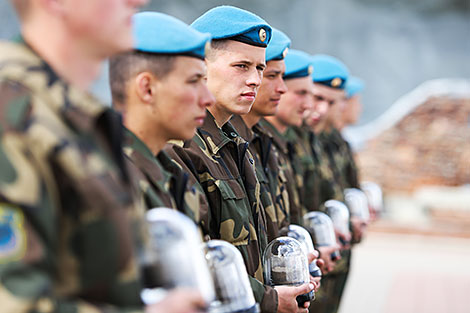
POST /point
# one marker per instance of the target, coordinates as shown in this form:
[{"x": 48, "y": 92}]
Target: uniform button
[
  {"x": 251, "y": 160},
  {"x": 233, "y": 134}
]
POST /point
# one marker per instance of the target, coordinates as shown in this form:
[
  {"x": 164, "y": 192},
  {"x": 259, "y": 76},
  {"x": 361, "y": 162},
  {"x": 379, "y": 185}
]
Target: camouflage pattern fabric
[
  {"x": 345, "y": 158},
  {"x": 221, "y": 163},
  {"x": 269, "y": 157},
  {"x": 332, "y": 287},
  {"x": 69, "y": 219},
  {"x": 162, "y": 181},
  {"x": 304, "y": 166},
  {"x": 271, "y": 202},
  {"x": 325, "y": 187},
  {"x": 281, "y": 144},
  {"x": 332, "y": 186}
]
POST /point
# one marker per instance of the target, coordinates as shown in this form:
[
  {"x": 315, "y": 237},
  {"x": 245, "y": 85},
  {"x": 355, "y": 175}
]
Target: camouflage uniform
[
  {"x": 162, "y": 181},
  {"x": 281, "y": 144},
  {"x": 69, "y": 221},
  {"x": 304, "y": 166},
  {"x": 272, "y": 187},
  {"x": 333, "y": 283},
  {"x": 221, "y": 163},
  {"x": 345, "y": 159}
]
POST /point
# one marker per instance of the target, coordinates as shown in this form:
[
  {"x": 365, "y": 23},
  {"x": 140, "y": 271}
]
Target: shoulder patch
[{"x": 12, "y": 233}]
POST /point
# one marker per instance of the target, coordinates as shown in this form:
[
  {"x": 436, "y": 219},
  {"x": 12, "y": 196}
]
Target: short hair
[
  {"x": 216, "y": 44},
  {"x": 125, "y": 66}
]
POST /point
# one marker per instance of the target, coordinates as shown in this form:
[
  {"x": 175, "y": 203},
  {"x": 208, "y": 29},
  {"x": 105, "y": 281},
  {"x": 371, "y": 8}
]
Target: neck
[
  {"x": 220, "y": 115},
  {"x": 281, "y": 127},
  {"x": 154, "y": 139},
  {"x": 251, "y": 118},
  {"x": 65, "y": 56}
]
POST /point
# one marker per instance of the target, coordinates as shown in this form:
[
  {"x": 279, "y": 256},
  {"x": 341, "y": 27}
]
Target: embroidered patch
[{"x": 12, "y": 233}]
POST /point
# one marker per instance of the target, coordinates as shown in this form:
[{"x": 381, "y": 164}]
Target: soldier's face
[
  {"x": 234, "y": 75},
  {"x": 181, "y": 100},
  {"x": 271, "y": 89},
  {"x": 324, "y": 100},
  {"x": 297, "y": 99},
  {"x": 352, "y": 110},
  {"x": 104, "y": 27}
]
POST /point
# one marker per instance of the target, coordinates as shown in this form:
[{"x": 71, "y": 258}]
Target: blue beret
[
  {"x": 163, "y": 34},
  {"x": 329, "y": 71},
  {"x": 353, "y": 86},
  {"x": 227, "y": 22},
  {"x": 298, "y": 64},
  {"x": 278, "y": 46}
]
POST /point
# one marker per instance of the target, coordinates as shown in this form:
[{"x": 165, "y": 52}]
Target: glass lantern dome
[
  {"x": 321, "y": 227},
  {"x": 173, "y": 256},
  {"x": 232, "y": 287},
  {"x": 286, "y": 264}
]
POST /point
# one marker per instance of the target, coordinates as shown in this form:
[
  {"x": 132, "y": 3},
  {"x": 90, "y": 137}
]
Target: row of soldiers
[{"x": 218, "y": 120}]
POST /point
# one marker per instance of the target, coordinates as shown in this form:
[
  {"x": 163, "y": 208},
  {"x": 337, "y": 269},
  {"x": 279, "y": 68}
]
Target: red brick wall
[{"x": 429, "y": 146}]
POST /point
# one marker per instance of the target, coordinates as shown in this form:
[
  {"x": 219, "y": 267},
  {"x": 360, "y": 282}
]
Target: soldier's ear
[{"x": 145, "y": 87}]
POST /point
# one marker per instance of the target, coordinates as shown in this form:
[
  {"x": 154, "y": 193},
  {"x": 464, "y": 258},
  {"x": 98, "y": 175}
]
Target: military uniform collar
[
  {"x": 243, "y": 130},
  {"x": 144, "y": 159},
  {"x": 278, "y": 138},
  {"x": 216, "y": 138}
]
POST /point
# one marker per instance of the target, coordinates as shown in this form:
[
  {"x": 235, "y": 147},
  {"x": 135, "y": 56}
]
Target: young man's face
[
  {"x": 181, "y": 99},
  {"x": 271, "y": 89},
  {"x": 102, "y": 26},
  {"x": 297, "y": 99},
  {"x": 324, "y": 99},
  {"x": 234, "y": 74},
  {"x": 352, "y": 110}
]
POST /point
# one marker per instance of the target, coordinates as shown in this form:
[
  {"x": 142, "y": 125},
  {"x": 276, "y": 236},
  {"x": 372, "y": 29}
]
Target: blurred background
[{"x": 413, "y": 137}]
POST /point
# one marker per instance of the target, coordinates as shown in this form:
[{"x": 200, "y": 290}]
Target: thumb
[{"x": 303, "y": 289}]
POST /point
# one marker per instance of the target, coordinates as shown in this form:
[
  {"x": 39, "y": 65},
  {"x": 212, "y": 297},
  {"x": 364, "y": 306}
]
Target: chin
[{"x": 241, "y": 108}]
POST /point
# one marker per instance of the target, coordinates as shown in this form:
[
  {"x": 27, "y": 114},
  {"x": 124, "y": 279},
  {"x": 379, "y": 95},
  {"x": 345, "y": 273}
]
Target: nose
[
  {"x": 207, "y": 98},
  {"x": 308, "y": 103},
  {"x": 254, "y": 78},
  {"x": 282, "y": 87}
]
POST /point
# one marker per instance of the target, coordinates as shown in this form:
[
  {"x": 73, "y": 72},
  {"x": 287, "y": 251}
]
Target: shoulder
[{"x": 15, "y": 106}]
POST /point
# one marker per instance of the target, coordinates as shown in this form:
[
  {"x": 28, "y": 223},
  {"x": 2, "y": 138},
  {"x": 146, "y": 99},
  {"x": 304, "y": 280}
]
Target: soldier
[
  {"x": 218, "y": 157},
  {"x": 291, "y": 108},
  {"x": 329, "y": 82},
  {"x": 69, "y": 217},
  {"x": 273, "y": 183},
  {"x": 160, "y": 89},
  {"x": 349, "y": 116}
]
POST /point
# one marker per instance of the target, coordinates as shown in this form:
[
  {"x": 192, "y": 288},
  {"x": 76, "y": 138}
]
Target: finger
[{"x": 305, "y": 288}]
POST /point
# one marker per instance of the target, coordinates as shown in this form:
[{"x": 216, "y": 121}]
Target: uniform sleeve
[
  {"x": 28, "y": 220},
  {"x": 264, "y": 295},
  {"x": 186, "y": 160}
]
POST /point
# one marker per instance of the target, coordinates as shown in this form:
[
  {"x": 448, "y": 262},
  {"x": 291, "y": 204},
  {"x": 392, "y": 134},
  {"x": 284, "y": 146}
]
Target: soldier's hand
[
  {"x": 327, "y": 265},
  {"x": 181, "y": 300},
  {"x": 286, "y": 298},
  {"x": 314, "y": 280},
  {"x": 358, "y": 228}
]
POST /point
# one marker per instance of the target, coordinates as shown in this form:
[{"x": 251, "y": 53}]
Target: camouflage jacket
[
  {"x": 282, "y": 146},
  {"x": 272, "y": 187},
  {"x": 69, "y": 221},
  {"x": 303, "y": 164},
  {"x": 221, "y": 163},
  {"x": 162, "y": 181},
  {"x": 345, "y": 159},
  {"x": 332, "y": 186}
]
